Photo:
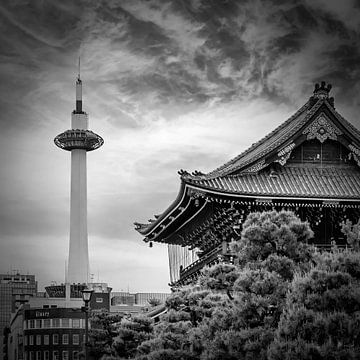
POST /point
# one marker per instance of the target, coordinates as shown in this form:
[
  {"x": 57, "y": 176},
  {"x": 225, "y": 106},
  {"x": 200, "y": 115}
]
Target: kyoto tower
[{"x": 78, "y": 141}]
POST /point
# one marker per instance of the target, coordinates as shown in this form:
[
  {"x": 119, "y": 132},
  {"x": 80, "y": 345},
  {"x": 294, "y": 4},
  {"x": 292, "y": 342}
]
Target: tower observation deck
[{"x": 78, "y": 140}]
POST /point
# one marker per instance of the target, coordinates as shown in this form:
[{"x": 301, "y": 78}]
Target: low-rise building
[
  {"x": 53, "y": 333},
  {"x": 52, "y": 327}
]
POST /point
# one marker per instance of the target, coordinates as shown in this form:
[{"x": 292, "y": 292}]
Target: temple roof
[
  {"x": 250, "y": 173},
  {"x": 280, "y": 136},
  {"x": 289, "y": 181}
]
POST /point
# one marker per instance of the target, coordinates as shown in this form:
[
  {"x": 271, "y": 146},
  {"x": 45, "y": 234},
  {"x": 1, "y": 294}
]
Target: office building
[{"x": 15, "y": 289}]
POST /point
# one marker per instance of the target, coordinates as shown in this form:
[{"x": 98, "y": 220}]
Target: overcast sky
[{"x": 169, "y": 85}]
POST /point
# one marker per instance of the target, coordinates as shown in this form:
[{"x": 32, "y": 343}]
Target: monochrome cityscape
[{"x": 206, "y": 204}]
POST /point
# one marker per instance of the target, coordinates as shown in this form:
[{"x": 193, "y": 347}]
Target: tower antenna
[{"x": 79, "y": 69}]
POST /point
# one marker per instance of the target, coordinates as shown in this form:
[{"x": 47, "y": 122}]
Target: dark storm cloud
[
  {"x": 242, "y": 47},
  {"x": 33, "y": 36},
  {"x": 183, "y": 51}
]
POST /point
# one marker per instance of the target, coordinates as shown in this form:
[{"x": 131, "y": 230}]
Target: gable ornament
[
  {"x": 322, "y": 129},
  {"x": 195, "y": 193},
  {"x": 355, "y": 153},
  {"x": 284, "y": 154}
]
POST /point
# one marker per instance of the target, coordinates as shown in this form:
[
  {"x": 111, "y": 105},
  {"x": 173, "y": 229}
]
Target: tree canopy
[{"x": 280, "y": 299}]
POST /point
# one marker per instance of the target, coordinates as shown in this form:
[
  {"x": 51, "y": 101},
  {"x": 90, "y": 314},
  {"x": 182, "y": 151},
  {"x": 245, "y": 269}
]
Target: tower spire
[
  {"x": 79, "y": 69},
  {"x": 78, "y": 92}
]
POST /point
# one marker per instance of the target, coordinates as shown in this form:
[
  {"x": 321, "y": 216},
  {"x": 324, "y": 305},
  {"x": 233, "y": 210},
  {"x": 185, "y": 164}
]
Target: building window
[
  {"x": 76, "y": 339},
  {"x": 38, "y": 355},
  {"x": 38, "y": 339},
  {"x": 38, "y": 324},
  {"x": 65, "y": 323},
  {"x": 55, "y": 339},
  {"x": 46, "y": 339},
  {"x": 31, "y": 324},
  {"x": 31, "y": 355},
  {"x": 55, "y": 355},
  {"x": 31, "y": 339},
  {"x": 75, "y": 355},
  {"x": 65, "y": 339},
  {"x": 75, "y": 323},
  {"x": 65, "y": 355},
  {"x": 25, "y": 340},
  {"x": 46, "y": 355},
  {"x": 47, "y": 323},
  {"x": 26, "y": 355},
  {"x": 55, "y": 323},
  {"x": 25, "y": 324}
]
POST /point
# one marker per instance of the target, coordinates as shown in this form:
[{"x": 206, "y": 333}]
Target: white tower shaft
[{"x": 78, "y": 268}]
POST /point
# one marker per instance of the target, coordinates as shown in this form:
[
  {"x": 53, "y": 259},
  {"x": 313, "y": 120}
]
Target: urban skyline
[{"x": 169, "y": 87}]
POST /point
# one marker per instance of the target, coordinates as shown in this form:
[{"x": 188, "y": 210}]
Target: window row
[
  {"x": 54, "y": 323},
  {"x": 50, "y": 355},
  {"x": 55, "y": 339}
]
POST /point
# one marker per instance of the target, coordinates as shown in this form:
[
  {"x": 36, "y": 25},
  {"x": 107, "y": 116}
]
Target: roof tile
[{"x": 342, "y": 182}]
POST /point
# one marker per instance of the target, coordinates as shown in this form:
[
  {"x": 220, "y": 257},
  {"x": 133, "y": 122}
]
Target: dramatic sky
[{"x": 182, "y": 84}]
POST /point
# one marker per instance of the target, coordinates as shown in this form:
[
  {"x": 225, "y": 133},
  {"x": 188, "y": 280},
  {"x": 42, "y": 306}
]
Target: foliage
[
  {"x": 352, "y": 233},
  {"x": 102, "y": 333},
  {"x": 115, "y": 336},
  {"x": 154, "y": 302},
  {"x": 281, "y": 299},
  {"x": 276, "y": 234},
  {"x": 322, "y": 315},
  {"x": 234, "y": 310},
  {"x": 131, "y": 333}
]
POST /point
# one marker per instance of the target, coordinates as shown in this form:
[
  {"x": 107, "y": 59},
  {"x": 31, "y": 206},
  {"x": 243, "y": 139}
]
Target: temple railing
[
  {"x": 327, "y": 246},
  {"x": 215, "y": 254},
  {"x": 200, "y": 263}
]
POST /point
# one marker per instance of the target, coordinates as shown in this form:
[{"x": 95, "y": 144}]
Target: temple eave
[{"x": 169, "y": 233}]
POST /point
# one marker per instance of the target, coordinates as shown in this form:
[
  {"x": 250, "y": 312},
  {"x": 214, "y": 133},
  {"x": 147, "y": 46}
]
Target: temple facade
[{"x": 310, "y": 165}]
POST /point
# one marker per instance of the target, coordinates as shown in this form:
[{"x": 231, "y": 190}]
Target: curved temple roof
[
  {"x": 293, "y": 182},
  {"x": 243, "y": 175}
]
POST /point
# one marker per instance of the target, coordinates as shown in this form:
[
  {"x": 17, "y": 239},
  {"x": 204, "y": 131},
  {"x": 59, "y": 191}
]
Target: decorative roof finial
[{"x": 322, "y": 91}]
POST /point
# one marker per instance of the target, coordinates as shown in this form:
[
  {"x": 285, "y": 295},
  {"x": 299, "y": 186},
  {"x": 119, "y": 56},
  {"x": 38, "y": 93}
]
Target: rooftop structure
[{"x": 309, "y": 165}]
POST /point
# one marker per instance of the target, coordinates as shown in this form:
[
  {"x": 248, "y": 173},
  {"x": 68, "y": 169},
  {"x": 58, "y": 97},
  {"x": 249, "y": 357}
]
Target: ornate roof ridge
[
  {"x": 314, "y": 184},
  {"x": 344, "y": 121},
  {"x": 325, "y": 168},
  {"x": 261, "y": 141},
  {"x": 319, "y": 97},
  {"x": 139, "y": 226}
]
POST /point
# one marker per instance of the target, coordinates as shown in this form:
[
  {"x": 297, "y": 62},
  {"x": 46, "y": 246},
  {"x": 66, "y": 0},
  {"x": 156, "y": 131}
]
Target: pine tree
[
  {"x": 321, "y": 319},
  {"x": 131, "y": 333},
  {"x": 234, "y": 310},
  {"x": 102, "y": 333}
]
